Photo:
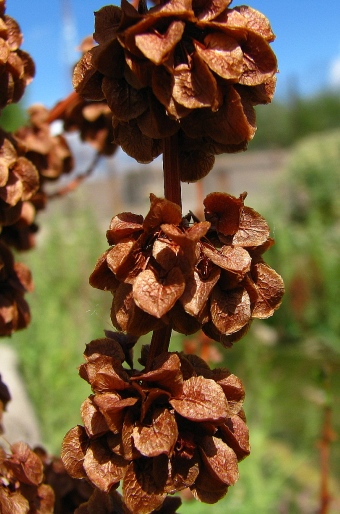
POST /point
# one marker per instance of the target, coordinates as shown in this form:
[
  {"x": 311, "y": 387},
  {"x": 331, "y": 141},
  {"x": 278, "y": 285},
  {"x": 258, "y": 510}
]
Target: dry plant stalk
[{"x": 180, "y": 79}]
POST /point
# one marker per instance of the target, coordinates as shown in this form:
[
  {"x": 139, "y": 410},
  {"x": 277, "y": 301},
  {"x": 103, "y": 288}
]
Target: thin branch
[
  {"x": 71, "y": 186},
  {"x": 58, "y": 110}
]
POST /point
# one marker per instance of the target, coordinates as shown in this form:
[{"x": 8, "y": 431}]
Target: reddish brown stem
[
  {"x": 172, "y": 191},
  {"x": 58, "y": 110},
  {"x": 172, "y": 179},
  {"x": 159, "y": 344}
]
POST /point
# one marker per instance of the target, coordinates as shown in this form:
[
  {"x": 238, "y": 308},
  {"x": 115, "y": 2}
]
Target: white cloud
[{"x": 334, "y": 73}]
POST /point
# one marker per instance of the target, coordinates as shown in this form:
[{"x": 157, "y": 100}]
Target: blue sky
[{"x": 307, "y": 42}]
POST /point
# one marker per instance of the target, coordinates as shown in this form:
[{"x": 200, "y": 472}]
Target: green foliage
[
  {"x": 307, "y": 250},
  {"x": 282, "y": 124},
  {"x": 12, "y": 117},
  {"x": 66, "y": 314}
]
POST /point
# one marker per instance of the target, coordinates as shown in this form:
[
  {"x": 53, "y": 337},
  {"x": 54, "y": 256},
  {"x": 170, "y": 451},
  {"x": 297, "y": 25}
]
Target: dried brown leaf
[
  {"x": 195, "y": 158},
  {"x": 105, "y": 373},
  {"x": 166, "y": 374},
  {"x": 142, "y": 148},
  {"x": 102, "y": 276},
  {"x": 73, "y": 451},
  {"x": 259, "y": 61},
  {"x": 230, "y": 310},
  {"x": 29, "y": 176},
  {"x": 220, "y": 459},
  {"x": 222, "y": 54},
  {"x": 155, "y": 296},
  {"x": 207, "y": 488},
  {"x": 108, "y": 346},
  {"x": 256, "y": 22},
  {"x": 126, "y": 316},
  {"x": 235, "y": 434},
  {"x": 103, "y": 467},
  {"x": 94, "y": 421},
  {"x": 183, "y": 322},
  {"x": 125, "y": 102},
  {"x": 202, "y": 400},
  {"x": 86, "y": 80},
  {"x": 197, "y": 291},
  {"x": 25, "y": 464},
  {"x": 253, "y": 229},
  {"x": 107, "y": 20},
  {"x": 13, "y": 502},
  {"x": 235, "y": 260},
  {"x": 159, "y": 437},
  {"x": 45, "y": 499},
  {"x": 223, "y": 211},
  {"x": 270, "y": 287},
  {"x": 113, "y": 409},
  {"x": 141, "y": 495},
  {"x": 155, "y": 122},
  {"x": 124, "y": 225},
  {"x": 156, "y": 46},
  {"x": 194, "y": 85},
  {"x": 161, "y": 211},
  {"x": 206, "y": 11},
  {"x": 12, "y": 193}
]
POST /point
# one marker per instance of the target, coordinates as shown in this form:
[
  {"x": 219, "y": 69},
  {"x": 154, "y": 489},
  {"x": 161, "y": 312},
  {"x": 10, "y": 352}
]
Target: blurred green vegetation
[
  {"x": 283, "y": 123},
  {"x": 289, "y": 364},
  {"x": 13, "y": 117},
  {"x": 66, "y": 314}
]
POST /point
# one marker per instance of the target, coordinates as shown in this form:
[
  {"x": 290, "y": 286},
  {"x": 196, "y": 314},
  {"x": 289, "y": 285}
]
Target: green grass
[{"x": 66, "y": 314}]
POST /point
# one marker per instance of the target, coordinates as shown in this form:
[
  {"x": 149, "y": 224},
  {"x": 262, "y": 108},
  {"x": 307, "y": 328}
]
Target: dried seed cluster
[
  {"x": 32, "y": 482},
  {"x": 19, "y": 180},
  {"x": 165, "y": 270},
  {"x": 22, "y": 486},
  {"x": 15, "y": 281},
  {"x": 196, "y": 68},
  {"x": 16, "y": 66},
  {"x": 50, "y": 154},
  {"x": 93, "y": 120},
  {"x": 177, "y": 425}
]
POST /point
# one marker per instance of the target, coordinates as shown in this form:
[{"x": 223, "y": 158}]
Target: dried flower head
[
  {"x": 177, "y": 425},
  {"x": 50, "y": 154},
  {"x": 185, "y": 66},
  {"x": 19, "y": 180},
  {"x": 22, "y": 485},
  {"x": 16, "y": 66},
  {"x": 93, "y": 120},
  {"x": 164, "y": 269},
  {"x": 15, "y": 281},
  {"x": 69, "y": 493},
  {"x": 21, "y": 234}
]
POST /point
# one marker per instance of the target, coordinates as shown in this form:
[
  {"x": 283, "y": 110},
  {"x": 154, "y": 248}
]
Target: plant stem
[
  {"x": 159, "y": 344},
  {"x": 172, "y": 191},
  {"x": 171, "y": 171}
]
